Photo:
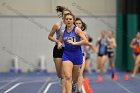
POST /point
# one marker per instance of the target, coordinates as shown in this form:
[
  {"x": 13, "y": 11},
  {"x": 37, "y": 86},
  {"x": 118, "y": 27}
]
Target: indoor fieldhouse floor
[{"x": 47, "y": 83}]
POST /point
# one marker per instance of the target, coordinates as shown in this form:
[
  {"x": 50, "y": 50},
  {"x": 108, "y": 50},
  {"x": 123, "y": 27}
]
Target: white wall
[
  {"x": 26, "y": 38},
  {"x": 25, "y": 24},
  {"x": 93, "y": 6},
  {"x": 43, "y": 7}
]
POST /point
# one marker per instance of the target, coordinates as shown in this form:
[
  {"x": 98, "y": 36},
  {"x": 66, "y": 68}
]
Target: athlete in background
[{"x": 135, "y": 45}]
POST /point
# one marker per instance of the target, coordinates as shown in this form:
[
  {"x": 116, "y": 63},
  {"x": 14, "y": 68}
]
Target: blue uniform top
[
  {"x": 72, "y": 53},
  {"x": 82, "y": 48},
  {"x": 137, "y": 42},
  {"x": 62, "y": 27},
  {"x": 75, "y": 38},
  {"x": 103, "y": 46}
]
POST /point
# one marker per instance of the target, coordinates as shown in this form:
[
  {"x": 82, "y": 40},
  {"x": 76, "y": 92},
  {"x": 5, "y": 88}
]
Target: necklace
[{"x": 69, "y": 28}]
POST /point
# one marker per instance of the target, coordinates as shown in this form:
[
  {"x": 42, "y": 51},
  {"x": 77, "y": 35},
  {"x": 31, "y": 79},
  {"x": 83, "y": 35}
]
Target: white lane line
[
  {"x": 49, "y": 85},
  {"x": 43, "y": 86},
  {"x": 14, "y": 86},
  {"x": 123, "y": 87},
  {"x": 14, "y": 80},
  {"x": 24, "y": 82},
  {"x": 33, "y": 81},
  {"x": 83, "y": 89}
]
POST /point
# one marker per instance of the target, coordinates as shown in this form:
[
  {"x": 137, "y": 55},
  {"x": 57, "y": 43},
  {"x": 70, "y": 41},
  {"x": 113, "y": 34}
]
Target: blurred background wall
[{"x": 25, "y": 25}]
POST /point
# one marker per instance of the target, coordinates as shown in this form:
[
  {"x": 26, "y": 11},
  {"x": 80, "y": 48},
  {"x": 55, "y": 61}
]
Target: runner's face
[
  {"x": 69, "y": 20},
  {"x": 110, "y": 34},
  {"x": 103, "y": 34},
  {"x": 138, "y": 35},
  {"x": 78, "y": 23}
]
